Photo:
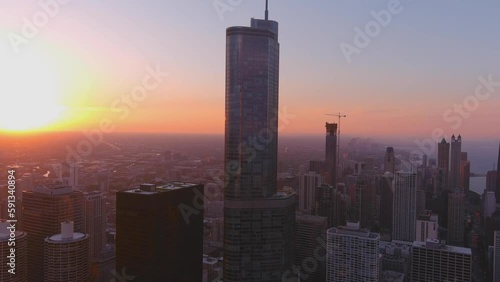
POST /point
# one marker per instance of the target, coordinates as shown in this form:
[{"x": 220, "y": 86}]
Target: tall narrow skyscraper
[
  {"x": 94, "y": 209},
  {"x": 496, "y": 256},
  {"x": 497, "y": 189},
  {"x": 389, "y": 161},
  {"x": 258, "y": 222},
  {"x": 455, "y": 159},
  {"x": 405, "y": 206},
  {"x": 307, "y": 186},
  {"x": 491, "y": 181},
  {"x": 331, "y": 154},
  {"x": 465, "y": 172},
  {"x": 443, "y": 166},
  {"x": 456, "y": 218}
]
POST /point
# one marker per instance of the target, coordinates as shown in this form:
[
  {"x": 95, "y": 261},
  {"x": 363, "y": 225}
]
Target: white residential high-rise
[
  {"x": 352, "y": 254},
  {"x": 95, "y": 222},
  {"x": 67, "y": 255},
  {"x": 404, "y": 206},
  {"x": 427, "y": 227},
  {"x": 307, "y": 185},
  {"x": 496, "y": 257}
]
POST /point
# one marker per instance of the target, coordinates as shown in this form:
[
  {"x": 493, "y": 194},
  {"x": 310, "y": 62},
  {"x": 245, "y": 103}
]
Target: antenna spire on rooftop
[{"x": 267, "y": 12}]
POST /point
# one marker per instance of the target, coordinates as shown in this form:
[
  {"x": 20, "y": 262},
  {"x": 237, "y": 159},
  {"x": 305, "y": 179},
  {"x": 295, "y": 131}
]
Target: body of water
[{"x": 478, "y": 184}]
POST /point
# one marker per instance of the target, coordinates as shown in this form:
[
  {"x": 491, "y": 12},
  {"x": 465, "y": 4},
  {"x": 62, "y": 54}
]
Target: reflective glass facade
[
  {"x": 251, "y": 138},
  {"x": 259, "y": 223}
]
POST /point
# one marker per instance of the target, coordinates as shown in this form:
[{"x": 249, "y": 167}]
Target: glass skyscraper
[{"x": 258, "y": 220}]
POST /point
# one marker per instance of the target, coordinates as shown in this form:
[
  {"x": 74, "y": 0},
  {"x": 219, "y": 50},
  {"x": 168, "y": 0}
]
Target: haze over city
[{"x": 89, "y": 54}]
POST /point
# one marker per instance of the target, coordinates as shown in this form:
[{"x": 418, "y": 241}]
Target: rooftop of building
[
  {"x": 281, "y": 195},
  {"x": 396, "y": 243},
  {"x": 5, "y": 233},
  {"x": 353, "y": 229},
  {"x": 58, "y": 238},
  {"x": 428, "y": 216},
  {"x": 301, "y": 217},
  {"x": 437, "y": 245},
  {"x": 210, "y": 260},
  {"x": 52, "y": 190},
  {"x": 151, "y": 189}
]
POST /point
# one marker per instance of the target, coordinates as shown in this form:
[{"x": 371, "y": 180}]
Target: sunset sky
[{"x": 75, "y": 69}]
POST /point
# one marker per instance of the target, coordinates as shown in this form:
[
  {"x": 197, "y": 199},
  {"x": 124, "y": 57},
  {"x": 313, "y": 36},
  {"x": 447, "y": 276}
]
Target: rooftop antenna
[{"x": 267, "y": 12}]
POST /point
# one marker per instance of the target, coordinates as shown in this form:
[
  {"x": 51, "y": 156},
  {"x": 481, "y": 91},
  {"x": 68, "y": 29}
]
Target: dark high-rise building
[
  {"x": 311, "y": 234},
  {"x": 444, "y": 155},
  {"x": 366, "y": 188},
  {"x": 389, "y": 161},
  {"x": 307, "y": 185},
  {"x": 259, "y": 222},
  {"x": 455, "y": 157},
  {"x": 497, "y": 189},
  {"x": 44, "y": 209},
  {"x": 384, "y": 189},
  {"x": 456, "y": 218},
  {"x": 329, "y": 204},
  {"x": 491, "y": 181},
  {"x": 443, "y": 169},
  {"x": 465, "y": 173},
  {"x": 405, "y": 206},
  {"x": 159, "y": 232},
  {"x": 331, "y": 154},
  {"x": 317, "y": 166}
]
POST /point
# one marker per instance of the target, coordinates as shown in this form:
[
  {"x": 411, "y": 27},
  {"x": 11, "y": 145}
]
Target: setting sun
[{"x": 31, "y": 91}]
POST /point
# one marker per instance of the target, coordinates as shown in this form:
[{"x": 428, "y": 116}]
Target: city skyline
[
  {"x": 80, "y": 84},
  {"x": 139, "y": 144}
]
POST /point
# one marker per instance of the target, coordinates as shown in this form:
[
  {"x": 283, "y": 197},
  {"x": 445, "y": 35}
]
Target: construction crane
[{"x": 340, "y": 116}]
